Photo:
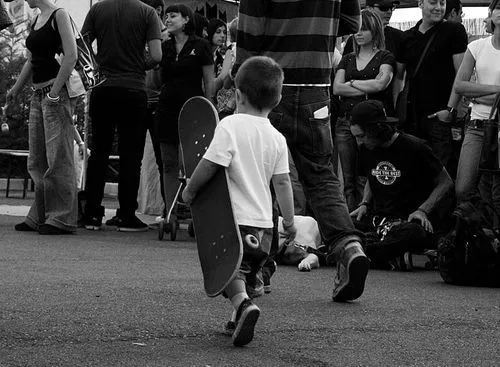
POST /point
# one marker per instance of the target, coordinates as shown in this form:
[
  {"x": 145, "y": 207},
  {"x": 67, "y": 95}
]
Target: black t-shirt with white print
[{"x": 401, "y": 176}]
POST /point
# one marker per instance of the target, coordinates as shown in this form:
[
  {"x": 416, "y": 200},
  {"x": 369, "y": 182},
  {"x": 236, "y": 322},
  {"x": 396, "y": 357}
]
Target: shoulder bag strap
[
  {"x": 494, "y": 107},
  {"x": 424, "y": 53}
]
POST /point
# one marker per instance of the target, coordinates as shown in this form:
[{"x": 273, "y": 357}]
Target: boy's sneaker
[
  {"x": 246, "y": 318},
  {"x": 131, "y": 224},
  {"x": 268, "y": 270},
  {"x": 352, "y": 269},
  {"x": 93, "y": 223}
]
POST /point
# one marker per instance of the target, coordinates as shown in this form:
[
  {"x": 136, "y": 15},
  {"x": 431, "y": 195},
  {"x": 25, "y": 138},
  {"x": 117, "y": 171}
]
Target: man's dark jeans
[
  {"x": 310, "y": 142},
  {"x": 124, "y": 110}
]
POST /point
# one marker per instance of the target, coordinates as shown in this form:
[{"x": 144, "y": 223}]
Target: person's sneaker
[
  {"x": 131, "y": 224},
  {"x": 24, "y": 227},
  {"x": 246, "y": 318},
  {"x": 93, "y": 223},
  {"x": 268, "y": 270},
  {"x": 52, "y": 230},
  {"x": 352, "y": 269},
  {"x": 113, "y": 222},
  {"x": 229, "y": 328}
]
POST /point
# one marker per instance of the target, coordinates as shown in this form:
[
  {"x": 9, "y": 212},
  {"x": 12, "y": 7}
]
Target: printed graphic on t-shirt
[{"x": 386, "y": 173}]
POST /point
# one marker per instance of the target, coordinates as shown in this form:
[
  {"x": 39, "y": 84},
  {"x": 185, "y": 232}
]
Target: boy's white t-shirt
[
  {"x": 487, "y": 70},
  {"x": 253, "y": 151}
]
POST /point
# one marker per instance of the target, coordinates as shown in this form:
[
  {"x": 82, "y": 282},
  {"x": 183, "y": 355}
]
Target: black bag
[
  {"x": 86, "y": 64},
  {"x": 403, "y": 103},
  {"x": 467, "y": 255},
  {"x": 490, "y": 158}
]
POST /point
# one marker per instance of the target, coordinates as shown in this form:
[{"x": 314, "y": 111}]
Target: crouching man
[{"x": 408, "y": 189}]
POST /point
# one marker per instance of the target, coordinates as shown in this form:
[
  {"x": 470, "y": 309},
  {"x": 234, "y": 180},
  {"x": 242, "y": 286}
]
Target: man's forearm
[{"x": 443, "y": 188}]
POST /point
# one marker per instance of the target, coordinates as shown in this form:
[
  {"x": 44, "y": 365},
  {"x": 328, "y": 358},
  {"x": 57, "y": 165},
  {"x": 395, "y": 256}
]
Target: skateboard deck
[{"x": 217, "y": 234}]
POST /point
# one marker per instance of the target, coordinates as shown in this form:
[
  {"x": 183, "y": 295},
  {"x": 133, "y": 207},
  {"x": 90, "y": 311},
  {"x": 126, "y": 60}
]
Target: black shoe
[
  {"x": 268, "y": 270},
  {"x": 52, "y": 230},
  {"x": 246, "y": 318},
  {"x": 113, "y": 222},
  {"x": 93, "y": 223},
  {"x": 24, "y": 227},
  {"x": 131, "y": 224}
]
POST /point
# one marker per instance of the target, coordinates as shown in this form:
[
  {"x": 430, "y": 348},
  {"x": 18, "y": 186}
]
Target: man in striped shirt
[{"x": 300, "y": 35}]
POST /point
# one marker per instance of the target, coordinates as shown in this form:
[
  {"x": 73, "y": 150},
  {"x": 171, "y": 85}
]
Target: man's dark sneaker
[
  {"x": 352, "y": 269},
  {"x": 268, "y": 270},
  {"x": 52, "y": 230},
  {"x": 24, "y": 227},
  {"x": 131, "y": 224},
  {"x": 246, "y": 318},
  {"x": 113, "y": 222},
  {"x": 93, "y": 223}
]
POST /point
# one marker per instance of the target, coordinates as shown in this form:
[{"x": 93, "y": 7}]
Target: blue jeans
[
  {"x": 51, "y": 163},
  {"x": 310, "y": 142},
  {"x": 469, "y": 179},
  {"x": 348, "y": 156}
]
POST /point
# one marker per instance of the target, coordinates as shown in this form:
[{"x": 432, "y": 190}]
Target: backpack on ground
[{"x": 468, "y": 254}]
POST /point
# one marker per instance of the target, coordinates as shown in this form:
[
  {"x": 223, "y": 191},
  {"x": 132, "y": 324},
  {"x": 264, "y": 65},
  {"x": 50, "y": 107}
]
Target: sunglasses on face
[{"x": 385, "y": 7}]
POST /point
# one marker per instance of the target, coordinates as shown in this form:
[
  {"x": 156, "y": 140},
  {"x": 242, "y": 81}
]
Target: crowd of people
[{"x": 315, "y": 102}]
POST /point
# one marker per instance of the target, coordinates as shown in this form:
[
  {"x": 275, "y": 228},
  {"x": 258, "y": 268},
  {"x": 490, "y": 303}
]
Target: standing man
[
  {"x": 431, "y": 108},
  {"x": 122, "y": 28},
  {"x": 300, "y": 36},
  {"x": 454, "y": 11},
  {"x": 393, "y": 36}
]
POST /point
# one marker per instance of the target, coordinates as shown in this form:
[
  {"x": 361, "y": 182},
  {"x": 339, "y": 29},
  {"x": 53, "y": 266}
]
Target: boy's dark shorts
[{"x": 254, "y": 256}]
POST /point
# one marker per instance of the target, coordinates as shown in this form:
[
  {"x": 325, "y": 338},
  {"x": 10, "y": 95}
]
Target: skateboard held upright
[{"x": 217, "y": 234}]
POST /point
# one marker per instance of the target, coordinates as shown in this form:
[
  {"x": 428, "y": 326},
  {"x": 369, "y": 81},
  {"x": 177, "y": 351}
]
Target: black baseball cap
[
  {"x": 382, "y": 2},
  {"x": 370, "y": 112}
]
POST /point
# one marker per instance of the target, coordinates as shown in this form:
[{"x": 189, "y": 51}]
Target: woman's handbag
[{"x": 490, "y": 158}]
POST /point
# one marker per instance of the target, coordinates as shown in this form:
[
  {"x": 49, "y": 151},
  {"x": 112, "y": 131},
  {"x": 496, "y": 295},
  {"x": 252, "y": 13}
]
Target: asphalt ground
[{"x": 116, "y": 299}]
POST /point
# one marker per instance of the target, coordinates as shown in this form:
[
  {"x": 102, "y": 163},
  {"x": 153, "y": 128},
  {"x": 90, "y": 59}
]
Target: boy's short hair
[{"x": 260, "y": 78}]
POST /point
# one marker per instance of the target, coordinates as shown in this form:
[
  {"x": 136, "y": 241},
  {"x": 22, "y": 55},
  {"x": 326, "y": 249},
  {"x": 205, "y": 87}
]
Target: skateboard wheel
[
  {"x": 252, "y": 241},
  {"x": 173, "y": 230},
  {"x": 161, "y": 231},
  {"x": 191, "y": 229}
]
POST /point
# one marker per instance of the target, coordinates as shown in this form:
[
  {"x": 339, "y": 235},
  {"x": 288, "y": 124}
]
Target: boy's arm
[
  {"x": 203, "y": 173},
  {"x": 284, "y": 195}
]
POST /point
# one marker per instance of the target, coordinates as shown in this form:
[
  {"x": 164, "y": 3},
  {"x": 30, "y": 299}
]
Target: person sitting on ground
[
  {"x": 301, "y": 251},
  {"x": 254, "y": 154},
  {"x": 407, "y": 187}
]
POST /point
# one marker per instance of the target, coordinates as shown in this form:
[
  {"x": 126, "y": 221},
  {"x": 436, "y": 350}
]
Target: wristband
[
  {"x": 53, "y": 99},
  {"x": 365, "y": 203},
  {"x": 352, "y": 83},
  {"x": 81, "y": 143}
]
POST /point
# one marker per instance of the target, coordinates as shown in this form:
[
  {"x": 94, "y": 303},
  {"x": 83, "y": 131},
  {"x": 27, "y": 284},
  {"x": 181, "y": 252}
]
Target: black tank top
[{"x": 44, "y": 44}]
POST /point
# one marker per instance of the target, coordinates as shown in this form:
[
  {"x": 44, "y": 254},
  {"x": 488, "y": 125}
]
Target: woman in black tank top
[{"x": 51, "y": 131}]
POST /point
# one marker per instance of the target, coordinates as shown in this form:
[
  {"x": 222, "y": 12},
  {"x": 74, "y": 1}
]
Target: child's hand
[
  {"x": 290, "y": 231},
  {"x": 187, "y": 196}
]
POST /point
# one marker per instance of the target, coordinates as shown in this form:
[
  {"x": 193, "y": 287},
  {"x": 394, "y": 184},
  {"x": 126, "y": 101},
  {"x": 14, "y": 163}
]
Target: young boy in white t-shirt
[{"x": 254, "y": 154}]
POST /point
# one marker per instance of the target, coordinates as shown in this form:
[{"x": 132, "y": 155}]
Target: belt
[
  {"x": 475, "y": 124},
  {"x": 43, "y": 90}
]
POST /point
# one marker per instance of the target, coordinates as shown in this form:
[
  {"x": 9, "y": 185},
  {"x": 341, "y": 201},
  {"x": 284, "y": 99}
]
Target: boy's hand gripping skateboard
[{"x": 217, "y": 234}]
